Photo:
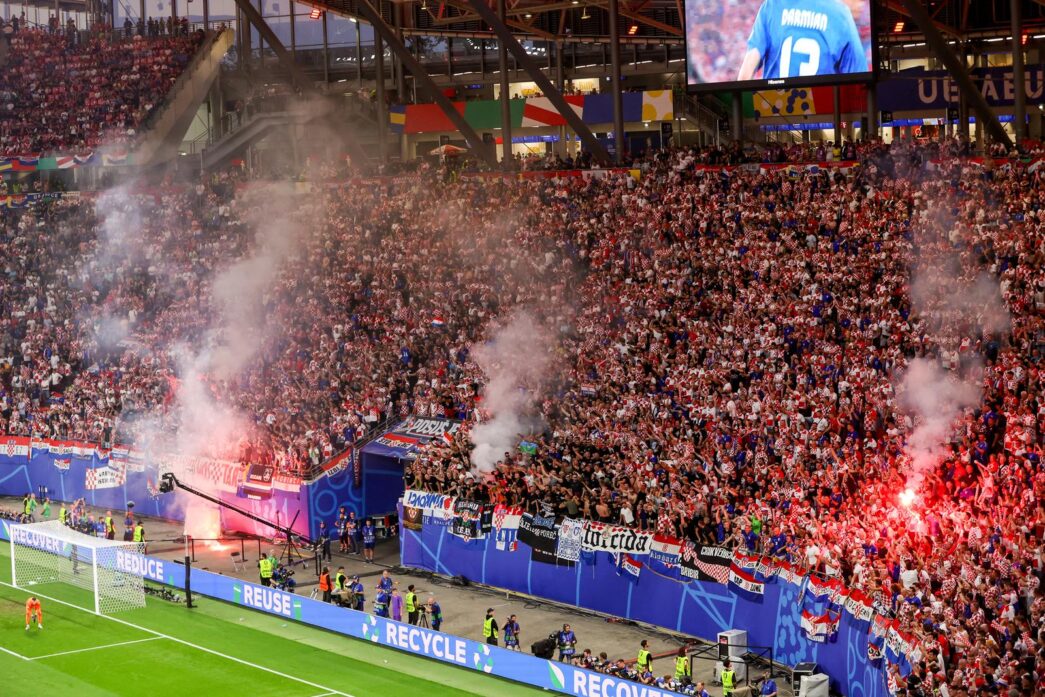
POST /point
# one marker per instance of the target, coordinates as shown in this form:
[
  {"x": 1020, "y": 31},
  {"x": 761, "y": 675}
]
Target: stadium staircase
[
  {"x": 166, "y": 127},
  {"x": 347, "y": 116}
]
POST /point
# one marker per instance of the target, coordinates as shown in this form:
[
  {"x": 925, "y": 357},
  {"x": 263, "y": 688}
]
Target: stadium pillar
[
  {"x": 383, "y": 31},
  {"x": 397, "y": 65},
  {"x": 1019, "y": 115},
  {"x": 379, "y": 97},
  {"x": 872, "y": 112},
  {"x": 560, "y": 82},
  {"x": 738, "y": 117},
  {"x": 522, "y": 58},
  {"x": 359, "y": 56},
  {"x": 916, "y": 10},
  {"x": 326, "y": 51},
  {"x": 206, "y": 14},
  {"x": 265, "y": 33},
  {"x": 506, "y": 104},
  {"x": 836, "y": 96},
  {"x": 615, "y": 86}
]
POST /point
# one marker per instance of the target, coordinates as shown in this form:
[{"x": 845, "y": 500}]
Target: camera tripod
[{"x": 422, "y": 619}]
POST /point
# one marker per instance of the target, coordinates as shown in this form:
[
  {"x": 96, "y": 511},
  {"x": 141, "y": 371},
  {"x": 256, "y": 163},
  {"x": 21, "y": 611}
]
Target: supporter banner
[
  {"x": 436, "y": 509},
  {"x": 466, "y": 522},
  {"x": 859, "y": 605},
  {"x": 406, "y": 438},
  {"x": 705, "y": 563},
  {"x": 665, "y": 549},
  {"x": 413, "y": 518},
  {"x": 108, "y": 477},
  {"x": 540, "y": 534},
  {"x": 819, "y": 628},
  {"x": 14, "y": 446},
  {"x": 745, "y": 581},
  {"x": 876, "y": 637},
  {"x": 506, "y": 525},
  {"x": 600, "y": 537},
  {"x": 571, "y": 535},
  {"x": 791, "y": 573}
]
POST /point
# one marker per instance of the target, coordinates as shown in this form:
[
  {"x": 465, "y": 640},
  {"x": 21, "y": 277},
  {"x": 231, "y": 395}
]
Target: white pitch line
[
  {"x": 161, "y": 635},
  {"x": 16, "y": 655},
  {"x": 96, "y": 648}
]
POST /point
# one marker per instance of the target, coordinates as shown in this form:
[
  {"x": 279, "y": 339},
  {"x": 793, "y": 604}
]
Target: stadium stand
[
  {"x": 726, "y": 346},
  {"x": 60, "y": 94}
]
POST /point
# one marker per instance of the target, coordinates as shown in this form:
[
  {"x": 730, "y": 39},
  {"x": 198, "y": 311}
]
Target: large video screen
[{"x": 762, "y": 43}]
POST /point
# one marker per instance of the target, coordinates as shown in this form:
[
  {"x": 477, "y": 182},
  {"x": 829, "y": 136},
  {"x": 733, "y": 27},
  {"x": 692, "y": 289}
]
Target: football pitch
[{"x": 213, "y": 649}]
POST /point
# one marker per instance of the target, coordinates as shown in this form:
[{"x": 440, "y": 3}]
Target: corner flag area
[{"x": 213, "y": 649}]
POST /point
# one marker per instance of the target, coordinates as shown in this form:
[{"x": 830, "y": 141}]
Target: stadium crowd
[
  {"x": 60, "y": 96},
  {"x": 725, "y": 353}
]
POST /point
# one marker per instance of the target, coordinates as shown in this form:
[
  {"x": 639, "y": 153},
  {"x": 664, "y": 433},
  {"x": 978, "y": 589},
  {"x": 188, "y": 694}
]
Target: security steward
[
  {"x": 324, "y": 584},
  {"x": 139, "y": 537},
  {"x": 110, "y": 526},
  {"x": 63, "y": 515},
  {"x": 412, "y": 606},
  {"x": 265, "y": 569},
  {"x": 490, "y": 628},
  {"x": 645, "y": 659},
  {"x": 729, "y": 679},
  {"x": 683, "y": 671}
]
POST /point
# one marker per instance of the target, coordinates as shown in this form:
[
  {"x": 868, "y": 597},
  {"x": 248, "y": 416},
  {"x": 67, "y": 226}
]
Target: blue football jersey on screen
[{"x": 800, "y": 38}]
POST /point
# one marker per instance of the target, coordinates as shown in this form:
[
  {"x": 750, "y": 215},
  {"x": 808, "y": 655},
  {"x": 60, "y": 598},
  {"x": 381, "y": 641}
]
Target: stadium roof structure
[{"x": 660, "y": 21}]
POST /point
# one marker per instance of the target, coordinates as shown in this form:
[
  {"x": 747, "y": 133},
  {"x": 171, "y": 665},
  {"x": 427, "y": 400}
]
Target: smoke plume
[
  {"x": 954, "y": 303},
  {"x": 515, "y": 361},
  {"x": 935, "y": 399}
]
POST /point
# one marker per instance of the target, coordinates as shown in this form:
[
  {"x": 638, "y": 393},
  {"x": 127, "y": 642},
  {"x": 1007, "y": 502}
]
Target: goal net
[{"x": 65, "y": 560}]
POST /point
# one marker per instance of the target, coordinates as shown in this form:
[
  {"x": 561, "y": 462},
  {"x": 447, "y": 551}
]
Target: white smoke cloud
[
  {"x": 935, "y": 398},
  {"x": 515, "y": 361},
  {"x": 196, "y": 423},
  {"x": 952, "y": 303}
]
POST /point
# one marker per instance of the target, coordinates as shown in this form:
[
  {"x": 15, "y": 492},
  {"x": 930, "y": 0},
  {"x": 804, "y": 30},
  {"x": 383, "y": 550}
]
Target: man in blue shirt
[
  {"x": 769, "y": 688},
  {"x": 369, "y": 539},
  {"x": 801, "y": 38}
]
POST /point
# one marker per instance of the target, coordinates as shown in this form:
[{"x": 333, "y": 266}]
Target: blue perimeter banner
[
  {"x": 658, "y": 596},
  {"x": 458, "y": 651}
]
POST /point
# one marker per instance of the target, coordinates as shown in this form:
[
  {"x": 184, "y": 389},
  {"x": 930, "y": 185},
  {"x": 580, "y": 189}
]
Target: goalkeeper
[{"x": 35, "y": 612}]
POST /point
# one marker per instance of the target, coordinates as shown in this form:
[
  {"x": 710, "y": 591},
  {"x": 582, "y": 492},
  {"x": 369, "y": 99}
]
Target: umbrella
[{"x": 448, "y": 150}]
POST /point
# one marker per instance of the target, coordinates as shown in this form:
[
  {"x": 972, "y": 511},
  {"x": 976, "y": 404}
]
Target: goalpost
[{"x": 52, "y": 553}]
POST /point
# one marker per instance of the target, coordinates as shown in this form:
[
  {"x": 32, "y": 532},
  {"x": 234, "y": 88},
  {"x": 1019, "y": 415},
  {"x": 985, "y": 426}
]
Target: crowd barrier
[
  {"x": 419, "y": 641},
  {"x": 654, "y": 593}
]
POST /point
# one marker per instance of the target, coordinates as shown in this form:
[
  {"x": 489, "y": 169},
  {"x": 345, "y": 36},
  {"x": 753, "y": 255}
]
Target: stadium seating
[
  {"x": 732, "y": 356},
  {"x": 60, "y": 95}
]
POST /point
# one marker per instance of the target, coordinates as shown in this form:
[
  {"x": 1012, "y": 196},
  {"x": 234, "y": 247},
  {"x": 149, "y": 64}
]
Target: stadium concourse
[{"x": 836, "y": 366}]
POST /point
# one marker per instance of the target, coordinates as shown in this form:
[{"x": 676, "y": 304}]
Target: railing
[{"x": 372, "y": 433}]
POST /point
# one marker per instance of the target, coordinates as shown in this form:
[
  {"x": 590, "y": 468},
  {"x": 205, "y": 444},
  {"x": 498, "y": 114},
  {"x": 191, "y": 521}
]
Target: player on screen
[
  {"x": 800, "y": 38},
  {"x": 33, "y": 612}
]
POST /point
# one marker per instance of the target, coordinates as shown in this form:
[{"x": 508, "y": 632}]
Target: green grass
[{"x": 214, "y": 649}]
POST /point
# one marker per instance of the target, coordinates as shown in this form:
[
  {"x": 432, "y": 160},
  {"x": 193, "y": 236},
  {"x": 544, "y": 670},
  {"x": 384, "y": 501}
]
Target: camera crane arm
[{"x": 168, "y": 483}]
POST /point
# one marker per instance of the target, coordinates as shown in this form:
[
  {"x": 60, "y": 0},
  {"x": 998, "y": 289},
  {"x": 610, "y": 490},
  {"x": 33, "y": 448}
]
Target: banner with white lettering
[
  {"x": 600, "y": 537},
  {"x": 745, "y": 580}
]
